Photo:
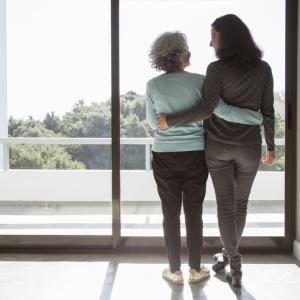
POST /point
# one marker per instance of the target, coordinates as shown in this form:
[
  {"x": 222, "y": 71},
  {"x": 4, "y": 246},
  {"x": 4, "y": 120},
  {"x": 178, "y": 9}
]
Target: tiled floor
[{"x": 138, "y": 276}]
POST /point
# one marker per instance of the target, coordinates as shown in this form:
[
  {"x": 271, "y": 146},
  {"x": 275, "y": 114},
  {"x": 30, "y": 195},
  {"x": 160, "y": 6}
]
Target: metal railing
[{"x": 147, "y": 142}]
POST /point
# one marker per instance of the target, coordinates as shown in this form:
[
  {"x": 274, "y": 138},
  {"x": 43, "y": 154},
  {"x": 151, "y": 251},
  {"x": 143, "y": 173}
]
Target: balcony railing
[
  {"x": 147, "y": 142},
  {"x": 79, "y": 201}
]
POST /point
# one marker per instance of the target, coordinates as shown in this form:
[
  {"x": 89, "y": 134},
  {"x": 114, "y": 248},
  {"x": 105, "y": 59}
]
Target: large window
[
  {"x": 58, "y": 98},
  {"x": 57, "y": 142},
  {"x": 58, "y": 62},
  {"x": 141, "y": 22}
]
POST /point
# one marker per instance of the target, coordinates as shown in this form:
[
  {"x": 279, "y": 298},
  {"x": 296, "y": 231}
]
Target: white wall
[{"x": 95, "y": 185}]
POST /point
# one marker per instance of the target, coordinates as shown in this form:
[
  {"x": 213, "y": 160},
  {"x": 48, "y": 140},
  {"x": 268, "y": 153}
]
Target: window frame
[{"x": 116, "y": 242}]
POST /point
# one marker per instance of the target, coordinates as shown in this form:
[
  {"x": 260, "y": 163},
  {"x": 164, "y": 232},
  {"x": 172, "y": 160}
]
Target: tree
[
  {"x": 37, "y": 156},
  {"x": 89, "y": 121},
  {"x": 52, "y": 122},
  {"x": 94, "y": 120},
  {"x": 41, "y": 157}
]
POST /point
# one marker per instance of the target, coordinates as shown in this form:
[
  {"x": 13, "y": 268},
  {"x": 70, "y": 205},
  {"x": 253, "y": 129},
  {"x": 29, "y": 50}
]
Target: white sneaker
[
  {"x": 175, "y": 277},
  {"x": 195, "y": 276}
]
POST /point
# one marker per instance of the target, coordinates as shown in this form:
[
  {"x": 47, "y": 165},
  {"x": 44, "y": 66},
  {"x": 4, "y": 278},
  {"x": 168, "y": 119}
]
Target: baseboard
[{"x": 297, "y": 249}]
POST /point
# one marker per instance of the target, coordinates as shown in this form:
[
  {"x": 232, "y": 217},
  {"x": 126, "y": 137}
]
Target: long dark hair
[{"x": 237, "y": 46}]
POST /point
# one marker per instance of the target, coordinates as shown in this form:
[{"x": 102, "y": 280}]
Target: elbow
[{"x": 269, "y": 115}]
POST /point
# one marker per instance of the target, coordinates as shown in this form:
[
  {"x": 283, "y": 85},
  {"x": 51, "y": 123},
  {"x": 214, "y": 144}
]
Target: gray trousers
[{"x": 232, "y": 169}]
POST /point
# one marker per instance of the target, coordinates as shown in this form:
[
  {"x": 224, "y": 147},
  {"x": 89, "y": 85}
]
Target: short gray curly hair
[{"x": 166, "y": 51}]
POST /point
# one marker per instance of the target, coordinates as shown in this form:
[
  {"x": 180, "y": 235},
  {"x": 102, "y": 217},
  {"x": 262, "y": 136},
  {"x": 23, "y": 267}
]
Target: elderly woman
[{"x": 178, "y": 154}]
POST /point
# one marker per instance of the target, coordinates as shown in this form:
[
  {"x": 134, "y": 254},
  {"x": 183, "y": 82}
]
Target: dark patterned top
[{"x": 252, "y": 89}]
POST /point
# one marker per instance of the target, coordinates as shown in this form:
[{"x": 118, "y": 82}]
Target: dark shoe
[
  {"x": 235, "y": 274},
  {"x": 221, "y": 261}
]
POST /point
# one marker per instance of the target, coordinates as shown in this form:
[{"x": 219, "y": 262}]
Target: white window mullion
[{"x": 3, "y": 87}]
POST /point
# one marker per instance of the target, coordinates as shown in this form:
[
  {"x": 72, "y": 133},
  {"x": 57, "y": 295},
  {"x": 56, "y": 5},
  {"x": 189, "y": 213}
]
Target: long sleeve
[
  {"x": 150, "y": 110},
  {"x": 236, "y": 114},
  {"x": 267, "y": 109},
  {"x": 211, "y": 91}
]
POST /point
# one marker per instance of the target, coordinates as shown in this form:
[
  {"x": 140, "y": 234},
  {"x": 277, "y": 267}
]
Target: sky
[{"x": 59, "y": 50}]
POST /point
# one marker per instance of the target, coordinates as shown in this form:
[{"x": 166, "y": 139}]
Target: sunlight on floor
[{"x": 121, "y": 277}]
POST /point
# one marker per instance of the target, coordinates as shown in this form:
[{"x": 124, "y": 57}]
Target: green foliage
[
  {"x": 87, "y": 120},
  {"x": 52, "y": 122},
  {"x": 41, "y": 157},
  {"x": 37, "y": 156},
  {"x": 279, "y": 126},
  {"x": 28, "y": 128},
  {"x": 94, "y": 120}
]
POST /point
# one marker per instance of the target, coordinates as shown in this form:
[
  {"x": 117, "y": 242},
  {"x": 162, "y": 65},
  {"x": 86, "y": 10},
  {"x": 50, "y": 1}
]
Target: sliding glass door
[
  {"x": 57, "y": 179},
  {"x": 140, "y": 23},
  {"x": 75, "y": 147}
]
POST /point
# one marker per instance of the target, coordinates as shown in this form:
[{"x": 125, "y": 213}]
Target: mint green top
[{"x": 171, "y": 93}]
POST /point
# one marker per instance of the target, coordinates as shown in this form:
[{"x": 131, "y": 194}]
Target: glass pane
[
  {"x": 60, "y": 157},
  {"x": 59, "y": 83},
  {"x": 141, "y": 208}
]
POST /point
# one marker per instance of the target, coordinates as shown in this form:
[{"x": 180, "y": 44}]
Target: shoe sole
[
  {"x": 199, "y": 280},
  {"x": 179, "y": 282}
]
